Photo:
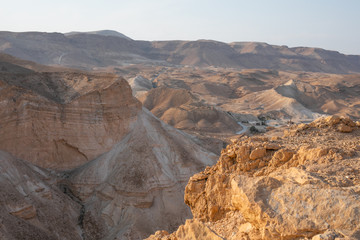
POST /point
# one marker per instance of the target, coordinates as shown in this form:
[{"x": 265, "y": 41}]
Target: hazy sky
[{"x": 329, "y": 24}]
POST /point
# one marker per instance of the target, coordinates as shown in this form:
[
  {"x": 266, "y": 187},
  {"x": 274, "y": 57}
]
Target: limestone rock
[
  {"x": 64, "y": 123},
  {"x": 272, "y": 146},
  {"x": 193, "y": 229},
  {"x": 257, "y": 153},
  {"x": 328, "y": 235},
  {"x": 121, "y": 170},
  {"x": 342, "y": 124},
  {"x": 344, "y": 128},
  {"x": 306, "y": 189}
]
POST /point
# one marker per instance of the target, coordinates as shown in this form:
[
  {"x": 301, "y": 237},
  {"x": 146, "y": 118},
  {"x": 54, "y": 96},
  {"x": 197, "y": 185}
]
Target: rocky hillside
[
  {"x": 181, "y": 109},
  {"x": 111, "y": 165},
  {"x": 91, "y": 50},
  {"x": 270, "y": 94},
  {"x": 138, "y": 186},
  {"x": 32, "y": 206},
  {"x": 302, "y": 185},
  {"x": 63, "y": 120}
]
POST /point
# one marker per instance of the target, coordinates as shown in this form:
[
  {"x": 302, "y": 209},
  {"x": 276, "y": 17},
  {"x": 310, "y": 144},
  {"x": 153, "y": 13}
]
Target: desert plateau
[{"x": 104, "y": 137}]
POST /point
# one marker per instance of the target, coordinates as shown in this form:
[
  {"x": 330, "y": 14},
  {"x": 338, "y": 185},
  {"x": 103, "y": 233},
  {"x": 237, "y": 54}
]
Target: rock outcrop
[
  {"x": 63, "y": 120},
  {"x": 304, "y": 185}
]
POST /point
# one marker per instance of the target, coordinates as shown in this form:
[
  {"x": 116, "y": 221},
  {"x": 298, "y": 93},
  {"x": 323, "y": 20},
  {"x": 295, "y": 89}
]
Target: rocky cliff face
[
  {"x": 117, "y": 171},
  {"x": 32, "y": 206},
  {"x": 303, "y": 185},
  {"x": 63, "y": 120}
]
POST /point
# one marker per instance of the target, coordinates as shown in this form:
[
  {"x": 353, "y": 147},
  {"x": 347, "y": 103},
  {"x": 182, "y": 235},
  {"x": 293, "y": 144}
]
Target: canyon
[
  {"x": 96, "y": 147},
  {"x": 106, "y": 137}
]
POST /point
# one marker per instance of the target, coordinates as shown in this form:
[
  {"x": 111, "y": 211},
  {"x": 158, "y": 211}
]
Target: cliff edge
[{"x": 302, "y": 185}]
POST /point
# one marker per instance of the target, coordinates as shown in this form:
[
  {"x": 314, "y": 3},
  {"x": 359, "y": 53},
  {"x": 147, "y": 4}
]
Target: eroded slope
[
  {"x": 181, "y": 109},
  {"x": 117, "y": 165},
  {"x": 32, "y": 206},
  {"x": 63, "y": 120},
  {"x": 137, "y": 187}
]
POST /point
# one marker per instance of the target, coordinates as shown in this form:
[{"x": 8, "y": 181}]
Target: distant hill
[
  {"x": 110, "y": 33},
  {"x": 106, "y": 48}
]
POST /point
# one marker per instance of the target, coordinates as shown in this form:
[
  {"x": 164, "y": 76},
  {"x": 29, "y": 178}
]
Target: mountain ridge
[
  {"x": 109, "y": 33},
  {"x": 100, "y": 49}
]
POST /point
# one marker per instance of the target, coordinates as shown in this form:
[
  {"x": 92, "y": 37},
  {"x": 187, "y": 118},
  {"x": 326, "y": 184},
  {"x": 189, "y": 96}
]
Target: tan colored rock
[
  {"x": 306, "y": 153},
  {"x": 63, "y": 129},
  {"x": 243, "y": 153},
  {"x": 231, "y": 153},
  {"x": 25, "y": 212},
  {"x": 327, "y": 235},
  {"x": 278, "y": 215},
  {"x": 302, "y": 127},
  {"x": 348, "y": 121},
  {"x": 126, "y": 168},
  {"x": 158, "y": 235},
  {"x": 333, "y": 120},
  {"x": 275, "y": 138},
  {"x": 281, "y": 156},
  {"x": 257, "y": 153},
  {"x": 344, "y": 128},
  {"x": 296, "y": 192},
  {"x": 181, "y": 109},
  {"x": 246, "y": 227},
  {"x": 194, "y": 229},
  {"x": 272, "y": 146}
]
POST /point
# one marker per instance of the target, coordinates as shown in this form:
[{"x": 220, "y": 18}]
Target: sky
[{"x": 328, "y": 24}]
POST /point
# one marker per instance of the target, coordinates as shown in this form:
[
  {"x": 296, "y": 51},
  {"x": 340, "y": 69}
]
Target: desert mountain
[
  {"x": 302, "y": 185},
  {"x": 12, "y": 64},
  {"x": 116, "y": 164},
  {"x": 181, "y": 109},
  {"x": 269, "y": 94},
  {"x": 92, "y": 50},
  {"x": 138, "y": 186},
  {"x": 63, "y": 120},
  {"x": 109, "y": 33},
  {"x": 82, "y": 158}
]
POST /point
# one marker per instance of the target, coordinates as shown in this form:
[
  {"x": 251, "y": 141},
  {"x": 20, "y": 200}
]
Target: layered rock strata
[
  {"x": 63, "y": 120},
  {"x": 119, "y": 168},
  {"x": 183, "y": 110}
]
